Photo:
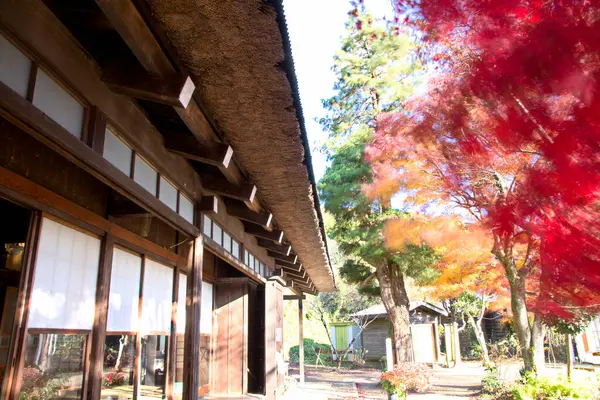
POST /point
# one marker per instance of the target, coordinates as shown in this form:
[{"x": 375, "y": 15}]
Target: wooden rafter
[
  {"x": 176, "y": 90},
  {"x": 218, "y": 184},
  {"x": 295, "y": 274},
  {"x": 259, "y": 231},
  {"x": 217, "y": 154},
  {"x": 292, "y": 258},
  {"x": 240, "y": 210},
  {"x": 127, "y": 20},
  {"x": 208, "y": 205},
  {"x": 284, "y": 264},
  {"x": 284, "y": 249}
]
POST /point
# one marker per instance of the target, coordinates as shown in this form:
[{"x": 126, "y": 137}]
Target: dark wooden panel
[
  {"x": 28, "y": 157},
  {"x": 231, "y": 336}
]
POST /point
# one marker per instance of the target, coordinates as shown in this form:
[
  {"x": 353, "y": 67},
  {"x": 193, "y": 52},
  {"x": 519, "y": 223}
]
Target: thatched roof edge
[{"x": 290, "y": 71}]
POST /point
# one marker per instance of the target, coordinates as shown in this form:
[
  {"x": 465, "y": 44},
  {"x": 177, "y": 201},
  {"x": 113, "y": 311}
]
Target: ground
[{"x": 330, "y": 384}]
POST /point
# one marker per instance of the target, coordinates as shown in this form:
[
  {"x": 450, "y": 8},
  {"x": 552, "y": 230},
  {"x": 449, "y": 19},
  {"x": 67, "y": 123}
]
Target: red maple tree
[{"x": 510, "y": 132}]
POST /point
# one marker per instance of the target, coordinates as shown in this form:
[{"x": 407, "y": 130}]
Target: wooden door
[
  {"x": 230, "y": 363},
  {"x": 274, "y": 368},
  {"x": 423, "y": 342}
]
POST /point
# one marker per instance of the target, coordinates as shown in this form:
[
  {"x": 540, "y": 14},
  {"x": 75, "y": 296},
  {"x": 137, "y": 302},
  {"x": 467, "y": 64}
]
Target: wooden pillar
[
  {"x": 301, "y": 339},
  {"x": 191, "y": 366},
  {"x": 98, "y": 336}
]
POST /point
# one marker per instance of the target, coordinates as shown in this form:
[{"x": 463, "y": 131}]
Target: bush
[
  {"x": 534, "y": 388},
  {"x": 492, "y": 386},
  {"x": 310, "y": 351},
  {"x": 407, "y": 377}
]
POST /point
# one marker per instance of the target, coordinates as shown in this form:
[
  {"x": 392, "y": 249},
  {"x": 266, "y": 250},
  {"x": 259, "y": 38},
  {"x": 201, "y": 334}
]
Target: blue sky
[{"x": 315, "y": 28}]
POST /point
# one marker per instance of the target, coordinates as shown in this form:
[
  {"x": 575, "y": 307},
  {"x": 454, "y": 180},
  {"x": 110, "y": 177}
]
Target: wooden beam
[
  {"x": 240, "y": 210},
  {"x": 26, "y": 116},
  {"x": 125, "y": 208},
  {"x": 22, "y": 190},
  {"x": 293, "y": 297},
  {"x": 285, "y": 264},
  {"x": 175, "y": 90},
  {"x": 295, "y": 274},
  {"x": 208, "y": 205},
  {"x": 193, "y": 303},
  {"x": 292, "y": 258},
  {"x": 278, "y": 248},
  {"x": 300, "y": 281},
  {"x": 99, "y": 327},
  {"x": 217, "y": 154},
  {"x": 259, "y": 231},
  {"x": 218, "y": 184},
  {"x": 126, "y": 19}
]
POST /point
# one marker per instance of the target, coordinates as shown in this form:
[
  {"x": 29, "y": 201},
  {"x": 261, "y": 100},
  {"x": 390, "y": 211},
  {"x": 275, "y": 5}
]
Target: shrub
[
  {"x": 534, "y": 388},
  {"x": 407, "y": 377},
  {"x": 492, "y": 386},
  {"x": 310, "y": 351}
]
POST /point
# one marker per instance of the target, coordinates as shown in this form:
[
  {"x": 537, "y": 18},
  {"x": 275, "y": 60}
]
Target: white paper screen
[
  {"x": 157, "y": 298},
  {"x": 207, "y": 308},
  {"x": 181, "y": 312},
  {"x": 64, "y": 283},
  {"x": 123, "y": 300}
]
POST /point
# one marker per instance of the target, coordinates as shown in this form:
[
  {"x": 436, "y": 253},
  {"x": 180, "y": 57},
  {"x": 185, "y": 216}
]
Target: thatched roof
[{"x": 238, "y": 53}]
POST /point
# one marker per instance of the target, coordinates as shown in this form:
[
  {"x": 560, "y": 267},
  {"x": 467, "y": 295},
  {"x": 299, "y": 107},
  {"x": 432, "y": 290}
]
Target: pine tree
[{"x": 373, "y": 76}]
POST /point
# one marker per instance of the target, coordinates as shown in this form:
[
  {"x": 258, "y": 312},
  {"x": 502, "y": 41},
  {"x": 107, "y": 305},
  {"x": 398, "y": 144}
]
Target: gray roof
[{"x": 378, "y": 311}]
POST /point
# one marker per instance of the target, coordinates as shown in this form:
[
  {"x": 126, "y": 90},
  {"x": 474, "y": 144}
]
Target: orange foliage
[{"x": 466, "y": 263}]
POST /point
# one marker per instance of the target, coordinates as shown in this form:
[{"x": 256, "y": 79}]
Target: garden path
[{"x": 330, "y": 384}]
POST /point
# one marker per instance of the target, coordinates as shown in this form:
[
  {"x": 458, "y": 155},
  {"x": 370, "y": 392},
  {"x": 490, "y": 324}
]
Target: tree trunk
[
  {"x": 569, "y": 344},
  {"x": 396, "y": 302},
  {"x": 480, "y": 336},
  {"x": 520, "y": 318},
  {"x": 538, "y": 332}
]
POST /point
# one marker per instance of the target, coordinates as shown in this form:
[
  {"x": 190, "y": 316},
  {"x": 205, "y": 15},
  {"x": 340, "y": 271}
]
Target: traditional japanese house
[{"x": 156, "y": 198}]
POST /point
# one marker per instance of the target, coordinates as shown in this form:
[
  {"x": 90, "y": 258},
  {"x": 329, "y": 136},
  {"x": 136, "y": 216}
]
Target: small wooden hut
[{"x": 156, "y": 199}]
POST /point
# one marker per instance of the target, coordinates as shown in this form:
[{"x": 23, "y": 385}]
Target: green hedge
[{"x": 310, "y": 349}]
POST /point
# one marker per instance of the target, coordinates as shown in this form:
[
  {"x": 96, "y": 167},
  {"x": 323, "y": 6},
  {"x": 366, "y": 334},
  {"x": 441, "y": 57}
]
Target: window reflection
[
  {"x": 119, "y": 362},
  {"x": 53, "y": 367},
  {"x": 154, "y": 361}
]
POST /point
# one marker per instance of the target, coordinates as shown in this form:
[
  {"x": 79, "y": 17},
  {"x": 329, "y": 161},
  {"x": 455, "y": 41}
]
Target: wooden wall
[{"x": 373, "y": 338}]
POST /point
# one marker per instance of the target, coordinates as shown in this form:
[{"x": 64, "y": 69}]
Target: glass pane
[
  {"x": 246, "y": 258},
  {"x": 117, "y": 152},
  {"x": 207, "y": 228},
  {"x": 119, "y": 362},
  {"x": 186, "y": 208},
  {"x": 217, "y": 234},
  {"x": 179, "y": 357},
  {"x": 145, "y": 175},
  {"x": 227, "y": 241},
  {"x": 154, "y": 360},
  {"x": 168, "y": 194},
  {"x": 58, "y": 104},
  {"x": 235, "y": 249},
  {"x": 53, "y": 366},
  {"x": 204, "y": 361},
  {"x": 15, "y": 67}
]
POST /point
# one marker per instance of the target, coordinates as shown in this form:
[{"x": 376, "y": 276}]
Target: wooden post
[
  {"x": 191, "y": 367},
  {"x": 389, "y": 356},
  {"x": 98, "y": 336},
  {"x": 301, "y": 339}
]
